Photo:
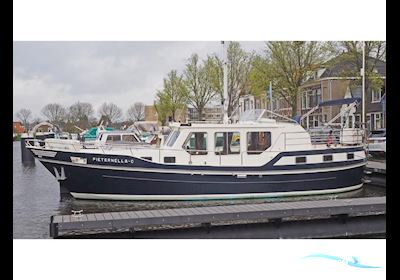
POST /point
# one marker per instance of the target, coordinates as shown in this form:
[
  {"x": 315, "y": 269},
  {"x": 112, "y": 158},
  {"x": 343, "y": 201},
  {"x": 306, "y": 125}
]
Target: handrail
[{"x": 315, "y": 137}]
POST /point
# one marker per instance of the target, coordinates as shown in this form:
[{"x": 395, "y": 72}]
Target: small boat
[{"x": 377, "y": 142}]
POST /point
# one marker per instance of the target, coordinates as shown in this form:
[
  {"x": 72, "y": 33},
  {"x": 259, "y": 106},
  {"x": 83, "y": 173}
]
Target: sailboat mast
[{"x": 225, "y": 70}]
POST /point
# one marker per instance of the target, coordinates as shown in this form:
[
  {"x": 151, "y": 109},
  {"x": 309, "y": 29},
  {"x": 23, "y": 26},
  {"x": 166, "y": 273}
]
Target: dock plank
[
  {"x": 107, "y": 216},
  {"x": 91, "y": 217},
  {"x": 124, "y": 215},
  {"x": 99, "y": 216}
]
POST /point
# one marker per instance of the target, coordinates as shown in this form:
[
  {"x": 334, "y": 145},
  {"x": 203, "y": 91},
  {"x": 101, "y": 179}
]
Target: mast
[
  {"x": 225, "y": 70},
  {"x": 363, "y": 85}
]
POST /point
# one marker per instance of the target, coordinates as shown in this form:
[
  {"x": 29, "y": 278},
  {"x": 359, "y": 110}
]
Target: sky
[{"x": 98, "y": 72}]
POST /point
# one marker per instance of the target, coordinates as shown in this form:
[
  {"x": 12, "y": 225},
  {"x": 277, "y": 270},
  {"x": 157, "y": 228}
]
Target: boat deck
[{"x": 346, "y": 216}]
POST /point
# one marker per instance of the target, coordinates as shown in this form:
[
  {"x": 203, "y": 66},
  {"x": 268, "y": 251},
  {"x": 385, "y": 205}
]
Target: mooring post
[
  {"x": 26, "y": 155},
  {"x": 53, "y": 228}
]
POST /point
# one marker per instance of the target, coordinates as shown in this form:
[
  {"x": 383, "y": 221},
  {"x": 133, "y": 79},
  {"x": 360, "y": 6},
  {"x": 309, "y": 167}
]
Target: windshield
[{"x": 170, "y": 141}]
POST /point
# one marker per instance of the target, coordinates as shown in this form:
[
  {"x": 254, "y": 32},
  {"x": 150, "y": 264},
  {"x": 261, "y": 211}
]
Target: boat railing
[
  {"x": 334, "y": 137},
  {"x": 284, "y": 141}
]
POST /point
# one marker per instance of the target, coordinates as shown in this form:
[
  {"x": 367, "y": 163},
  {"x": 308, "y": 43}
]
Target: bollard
[{"x": 26, "y": 155}]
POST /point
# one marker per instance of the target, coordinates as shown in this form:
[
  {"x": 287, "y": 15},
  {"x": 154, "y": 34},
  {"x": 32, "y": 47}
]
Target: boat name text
[{"x": 113, "y": 160}]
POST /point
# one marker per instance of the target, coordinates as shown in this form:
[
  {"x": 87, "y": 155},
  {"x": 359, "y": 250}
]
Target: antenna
[{"x": 225, "y": 70}]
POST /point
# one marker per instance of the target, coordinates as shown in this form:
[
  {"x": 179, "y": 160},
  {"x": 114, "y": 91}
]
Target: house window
[
  {"x": 377, "y": 120},
  {"x": 310, "y": 97},
  {"x": 258, "y": 142},
  {"x": 227, "y": 143},
  {"x": 196, "y": 144},
  {"x": 376, "y": 96},
  {"x": 318, "y": 96},
  {"x": 304, "y": 100}
]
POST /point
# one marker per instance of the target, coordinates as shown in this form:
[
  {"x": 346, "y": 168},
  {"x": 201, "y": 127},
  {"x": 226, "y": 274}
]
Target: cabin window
[
  {"x": 258, "y": 142},
  {"x": 227, "y": 143},
  {"x": 328, "y": 157},
  {"x": 350, "y": 156},
  {"x": 196, "y": 144},
  {"x": 301, "y": 159},
  {"x": 169, "y": 159},
  {"x": 129, "y": 138},
  {"x": 113, "y": 138},
  {"x": 170, "y": 141}
]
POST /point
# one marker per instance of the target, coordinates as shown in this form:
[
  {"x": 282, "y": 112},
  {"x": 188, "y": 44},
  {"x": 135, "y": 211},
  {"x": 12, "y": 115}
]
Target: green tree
[
  {"x": 239, "y": 65},
  {"x": 259, "y": 76},
  {"x": 173, "y": 96},
  {"x": 198, "y": 80},
  {"x": 350, "y": 54},
  {"x": 291, "y": 62}
]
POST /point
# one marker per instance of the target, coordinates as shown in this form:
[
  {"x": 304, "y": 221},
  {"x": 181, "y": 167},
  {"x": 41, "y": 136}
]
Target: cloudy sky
[{"x": 97, "y": 72}]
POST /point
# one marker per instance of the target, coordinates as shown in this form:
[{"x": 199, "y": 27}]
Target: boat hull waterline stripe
[
  {"x": 215, "y": 182},
  {"x": 205, "y": 172},
  {"x": 210, "y": 196}
]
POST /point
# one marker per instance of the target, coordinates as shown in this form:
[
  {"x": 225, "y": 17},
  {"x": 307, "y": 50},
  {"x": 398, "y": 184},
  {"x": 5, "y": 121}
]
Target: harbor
[
  {"x": 37, "y": 198},
  {"x": 240, "y": 168}
]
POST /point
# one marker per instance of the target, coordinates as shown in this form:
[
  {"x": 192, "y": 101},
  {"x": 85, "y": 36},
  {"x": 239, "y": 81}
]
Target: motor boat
[{"x": 259, "y": 157}]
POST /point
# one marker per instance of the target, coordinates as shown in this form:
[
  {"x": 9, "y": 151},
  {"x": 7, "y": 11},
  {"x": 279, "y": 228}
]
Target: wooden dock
[
  {"x": 376, "y": 166},
  {"x": 301, "y": 219}
]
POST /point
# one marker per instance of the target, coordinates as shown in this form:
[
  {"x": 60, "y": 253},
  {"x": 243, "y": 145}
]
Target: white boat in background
[{"x": 377, "y": 142}]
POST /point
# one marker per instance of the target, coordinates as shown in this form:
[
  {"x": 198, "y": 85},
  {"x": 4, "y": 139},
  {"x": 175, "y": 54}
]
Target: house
[
  {"x": 150, "y": 114},
  {"x": 332, "y": 83},
  {"x": 18, "y": 128},
  {"x": 210, "y": 114}
]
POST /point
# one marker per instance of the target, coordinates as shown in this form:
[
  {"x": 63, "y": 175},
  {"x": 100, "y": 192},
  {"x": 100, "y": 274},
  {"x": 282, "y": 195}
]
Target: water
[{"x": 36, "y": 196}]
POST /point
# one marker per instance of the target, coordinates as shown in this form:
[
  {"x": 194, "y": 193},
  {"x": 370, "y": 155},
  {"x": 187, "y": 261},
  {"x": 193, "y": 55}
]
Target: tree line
[
  {"x": 81, "y": 114},
  {"x": 285, "y": 64}
]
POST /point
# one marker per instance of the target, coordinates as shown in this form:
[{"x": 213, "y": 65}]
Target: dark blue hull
[{"x": 137, "y": 179}]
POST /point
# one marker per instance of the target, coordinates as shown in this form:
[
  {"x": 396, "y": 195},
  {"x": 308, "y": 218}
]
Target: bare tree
[
  {"x": 80, "y": 111},
  {"x": 80, "y": 114},
  {"x": 24, "y": 115},
  {"x": 136, "y": 112},
  {"x": 110, "y": 111},
  {"x": 55, "y": 113}
]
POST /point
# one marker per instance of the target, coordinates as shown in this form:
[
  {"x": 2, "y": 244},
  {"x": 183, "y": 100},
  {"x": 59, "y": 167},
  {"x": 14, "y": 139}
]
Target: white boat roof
[{"x": 262, "y": 123}]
